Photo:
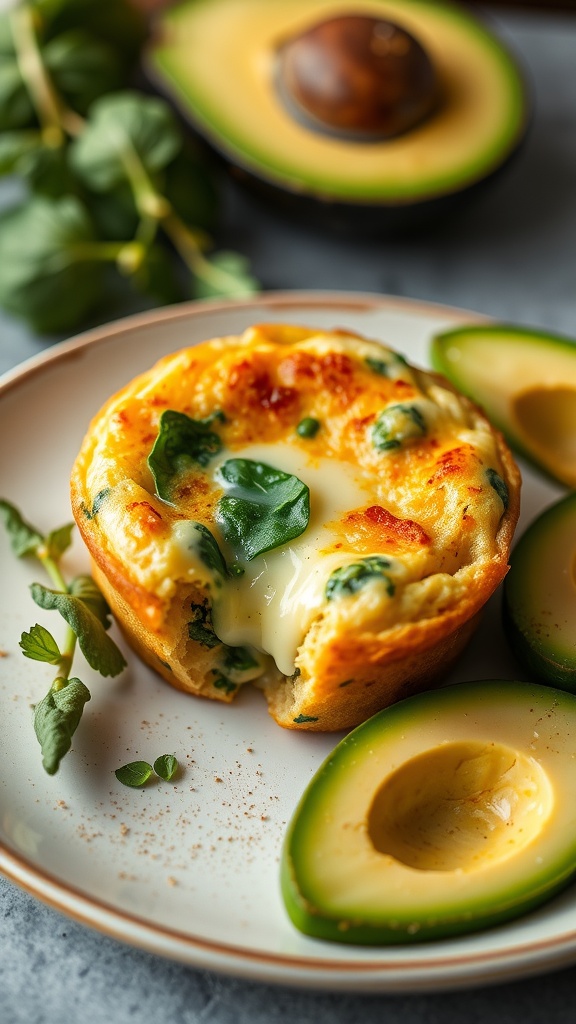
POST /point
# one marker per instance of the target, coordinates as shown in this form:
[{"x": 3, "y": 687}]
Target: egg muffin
[{"x": 299, "y": 509}]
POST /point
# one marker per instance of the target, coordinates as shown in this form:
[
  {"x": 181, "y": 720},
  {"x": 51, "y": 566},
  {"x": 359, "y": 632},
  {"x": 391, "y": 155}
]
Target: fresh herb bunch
[
  {"x": 115, "y": 190},
  {"x": 87, "y": 616}
]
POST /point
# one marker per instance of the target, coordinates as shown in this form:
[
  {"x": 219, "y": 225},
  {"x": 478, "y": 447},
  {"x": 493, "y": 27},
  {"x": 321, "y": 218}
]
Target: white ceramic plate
[{"x": 189, "y": 869}]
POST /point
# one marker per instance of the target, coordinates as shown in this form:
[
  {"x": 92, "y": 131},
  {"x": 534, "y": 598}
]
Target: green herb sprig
[
  {"x": 87, "y": 617},
  {"x": 116, "y": 192}
]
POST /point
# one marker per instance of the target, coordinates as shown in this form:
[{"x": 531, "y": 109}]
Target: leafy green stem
[
  {"x": 127, "y": 255},
  {"x": 87, "y": 617},
  {"x": 149, "y": 202},
  {"x": 55, "y": 117},
  {"x": 189, "y": 244},
  {"x": 65, "y": 663}
]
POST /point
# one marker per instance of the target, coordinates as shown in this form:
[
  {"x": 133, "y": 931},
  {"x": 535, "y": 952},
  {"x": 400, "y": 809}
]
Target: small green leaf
[
  {"x": 24, "y": 538},
  {"x": 40, "y": 645},
  {"x": 47, "y": 171},
  {"x": 181, "y": 442},
  {"x": 134, "y": 774},
  {"x": 82, "y": 68},
  {"x": 221, "y": 682},
  {"x": 97, "y": 503},
  {"x": 389, "y": 367},
  {"x": 304, "y": 718},
  {"x": 56, "y": 718},
  {"x": 88, "y": 591},
  {"x": 239, "y": 659},
  {"x": 499, "y": 485},
  {"x": 127, "y": 132},
  {"x": 16, "y": 110},
  {"x": 398, "y": 425},
  {"x": 15, "y": 146},
  {"x": 206, "y": 548},
  {"x": 58, "y": 541},
  {"x": 225, "y": 275},
  {"x": 262, "y": 508},
  {"x": 124, "y": 27},
  {"x": 166, "y": 766},
  {"x": 348, "y": 579},
  {"x": 98, "y": 648}
]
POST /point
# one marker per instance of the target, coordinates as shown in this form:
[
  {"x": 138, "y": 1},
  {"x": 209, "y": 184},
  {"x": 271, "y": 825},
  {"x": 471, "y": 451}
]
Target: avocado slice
[
  {"x": 525, "y": 380},
  {"x": 446, "y": 813},
  {"x": 220, "y": 61},
  {"x": 540, "y": 596}
]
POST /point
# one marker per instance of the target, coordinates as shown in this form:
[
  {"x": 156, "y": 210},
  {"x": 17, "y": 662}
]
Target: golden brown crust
[{"x": 344, "y": 671}]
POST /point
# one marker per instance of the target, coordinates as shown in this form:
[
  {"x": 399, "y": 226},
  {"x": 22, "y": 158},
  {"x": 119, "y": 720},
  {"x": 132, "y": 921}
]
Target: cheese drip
[{"x": 272, "y": 605}]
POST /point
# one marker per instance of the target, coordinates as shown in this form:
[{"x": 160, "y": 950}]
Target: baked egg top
[{"x": 288, "y": 470}]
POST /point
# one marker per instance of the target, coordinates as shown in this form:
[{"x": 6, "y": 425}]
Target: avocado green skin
[
  {"x": 313, "y": 920},
  {"x": 525, "y": 628},
  {"x": 320, "y": 206},
  {"x": 496, "y": 334}
]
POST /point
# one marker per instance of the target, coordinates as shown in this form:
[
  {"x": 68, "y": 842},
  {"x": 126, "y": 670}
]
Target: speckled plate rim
[{"x": 372, "y": 973}]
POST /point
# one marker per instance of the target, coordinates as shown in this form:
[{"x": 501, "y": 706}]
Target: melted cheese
[{"x": 271, "y": 606}]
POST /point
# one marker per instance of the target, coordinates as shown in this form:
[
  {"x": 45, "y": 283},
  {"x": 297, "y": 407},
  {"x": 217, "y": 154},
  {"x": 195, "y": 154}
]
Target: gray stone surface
[{"x": 512, "y": 256}]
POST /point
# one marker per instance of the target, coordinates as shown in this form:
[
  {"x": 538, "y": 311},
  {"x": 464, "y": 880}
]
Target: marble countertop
[{"x": 512, "y": 256}]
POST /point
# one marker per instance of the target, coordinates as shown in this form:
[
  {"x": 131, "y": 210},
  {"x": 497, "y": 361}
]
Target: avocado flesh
[
  {"x": 448, "y": 812},
  {"x": 525, "y": 380},
  {"x": 540, "y": 596},
  {"x": 216, "y": 58}
]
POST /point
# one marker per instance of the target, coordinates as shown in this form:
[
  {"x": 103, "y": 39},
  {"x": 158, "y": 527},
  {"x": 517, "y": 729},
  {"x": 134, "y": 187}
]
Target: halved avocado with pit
[
  {"x": 540, "y": 596},
  {"x": 443, "y": 814},
  {"x": 421, "y": 105},
  {"x": 525, "y": 380}
]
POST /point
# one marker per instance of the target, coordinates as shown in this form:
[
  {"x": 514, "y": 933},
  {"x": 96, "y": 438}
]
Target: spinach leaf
[
  {"x": 200, "y": 628},
  {"x": 180, "y": 443},
  {"x": 348, "y": 579},
  {"x": 85, "y": 615},
  {"x": 221, "y": 682},
  {"x": 239, "y": 659},
  {"x": 56, "y": 718},
  {"x": 262, "y": 508},
  {"x": 206, "y": 547},
  {"x": 499, "y": 485},
  {"x": 398, "y": 425},
  {"x": 390, "y": 366}
]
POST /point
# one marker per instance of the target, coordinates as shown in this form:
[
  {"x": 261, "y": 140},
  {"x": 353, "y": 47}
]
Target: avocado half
[
  {"x": 525, "y": 380},
  {"x": 218, "y": 60},
  {"x": 540, "y": 596},
  {"x": 446, "y": 813}
]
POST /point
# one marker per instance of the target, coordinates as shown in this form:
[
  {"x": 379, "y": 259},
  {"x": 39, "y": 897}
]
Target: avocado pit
[
  {"x": 460, "y": 807},
  {"x": 356, "y": 77}
]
